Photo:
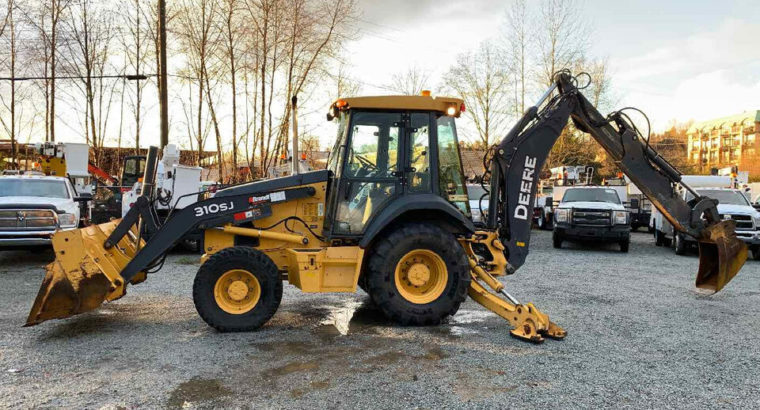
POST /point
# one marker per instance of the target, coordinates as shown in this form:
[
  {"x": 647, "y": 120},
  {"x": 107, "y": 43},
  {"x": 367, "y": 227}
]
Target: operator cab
[
  {"x": 134, "y": 168},
  {"x": 392, "y": 147}
]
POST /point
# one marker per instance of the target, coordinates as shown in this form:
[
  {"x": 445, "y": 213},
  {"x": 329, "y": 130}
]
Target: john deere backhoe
[{"x": 389, "y": 214}]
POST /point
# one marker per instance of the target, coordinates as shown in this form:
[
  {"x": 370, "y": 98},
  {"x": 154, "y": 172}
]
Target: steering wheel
[{"x": 366, "y": 163}]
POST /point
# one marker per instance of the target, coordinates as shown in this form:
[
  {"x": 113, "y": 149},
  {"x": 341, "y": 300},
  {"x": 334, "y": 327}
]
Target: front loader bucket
[
  {"x": 721, "y": 255},
  {"x": 84, "y": 273}
]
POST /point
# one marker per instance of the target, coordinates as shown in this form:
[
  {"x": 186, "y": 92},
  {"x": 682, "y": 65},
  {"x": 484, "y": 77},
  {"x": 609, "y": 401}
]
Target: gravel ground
[{"x": 639, "y": 336}]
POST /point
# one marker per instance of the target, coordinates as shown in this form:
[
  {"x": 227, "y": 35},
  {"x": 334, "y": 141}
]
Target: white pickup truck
[
  {"x": 33, "y": 207},
  {"x": 732, "y": 204}
]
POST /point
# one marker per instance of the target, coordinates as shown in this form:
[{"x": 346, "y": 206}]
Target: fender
[{"x": 400, "y": 206}]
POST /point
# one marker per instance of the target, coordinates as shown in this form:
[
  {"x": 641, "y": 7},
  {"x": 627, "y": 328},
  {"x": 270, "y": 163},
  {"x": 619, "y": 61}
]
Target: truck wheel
[
  {"x": 418, "y": 274},
  {"x": 557, "y": 241},
  {"x": 237, "y": 289},
  {"x": 658, "y": 238},
  {"x": 680, "y": 244},
  {"x": 624, "y": 244},
  {"x": 756, "y": 253}
]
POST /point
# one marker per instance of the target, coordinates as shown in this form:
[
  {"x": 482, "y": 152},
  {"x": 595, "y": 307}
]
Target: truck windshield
[
  {"x": 726, "y": 197},
  {"x": 32, "y": 187},
  {"x": 591, "y": 195}
]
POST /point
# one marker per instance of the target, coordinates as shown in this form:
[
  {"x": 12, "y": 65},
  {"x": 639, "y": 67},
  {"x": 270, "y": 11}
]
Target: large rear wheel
[
  {"x": 418, "y": 274},
  {"x": 237, "y": 289}
]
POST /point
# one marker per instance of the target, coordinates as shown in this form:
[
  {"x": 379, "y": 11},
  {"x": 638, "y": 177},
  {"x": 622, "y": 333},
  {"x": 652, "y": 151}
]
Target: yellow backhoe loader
[{"x": 390, "y": 214}]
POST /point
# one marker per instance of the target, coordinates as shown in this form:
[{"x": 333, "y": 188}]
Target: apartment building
[{"x": 725, "y": 141}]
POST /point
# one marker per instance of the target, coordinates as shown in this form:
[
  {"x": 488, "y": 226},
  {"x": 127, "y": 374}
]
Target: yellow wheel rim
[
  {"x": 237, "y": 291},
  {"x": 421, "y": 276}
]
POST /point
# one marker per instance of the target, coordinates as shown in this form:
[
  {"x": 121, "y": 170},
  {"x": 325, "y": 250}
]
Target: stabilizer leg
[{"x": 529, "y": 323}]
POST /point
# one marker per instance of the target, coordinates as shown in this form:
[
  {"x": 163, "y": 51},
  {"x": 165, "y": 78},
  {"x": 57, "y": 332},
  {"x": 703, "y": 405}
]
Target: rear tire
[
  {"x": 412, "y": 301},
  {"x": 680, "y": 245},
  {"x": 557, "y": 241},
  {"x": 221, "y": 303}
]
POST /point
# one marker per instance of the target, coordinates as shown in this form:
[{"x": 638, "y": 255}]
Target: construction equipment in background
[{"x": 390, "y": 214}]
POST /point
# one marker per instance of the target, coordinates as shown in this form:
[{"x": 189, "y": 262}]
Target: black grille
[
  {"x": 591, "y": 217},
  {"x": 27, "y": 220},
  {"x": 742, "y": 221}
]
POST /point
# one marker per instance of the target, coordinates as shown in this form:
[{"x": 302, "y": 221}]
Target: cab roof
[{"x": 403, "y": 102}]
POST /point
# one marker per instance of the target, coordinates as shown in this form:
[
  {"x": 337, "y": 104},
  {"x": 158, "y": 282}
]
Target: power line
[{"x": 131, "y": 77}]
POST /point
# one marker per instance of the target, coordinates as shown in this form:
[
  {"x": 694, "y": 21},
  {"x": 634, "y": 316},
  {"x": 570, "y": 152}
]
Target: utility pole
[{"x": 162, "y": 88}]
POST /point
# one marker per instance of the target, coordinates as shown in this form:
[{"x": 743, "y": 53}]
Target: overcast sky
[{"x": 673, "y": 59}]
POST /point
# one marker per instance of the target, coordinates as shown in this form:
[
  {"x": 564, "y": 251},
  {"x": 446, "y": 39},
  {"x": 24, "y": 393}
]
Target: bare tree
[
  {"x": 233, "y": 33},
  {"x": 479, "y": 78},
  {"x": 9, "y": 23},
  {"x": 87, "y": 56},
  {"x": 196, "y": 20},
  {"x": 562, "y": 38},
  {"x": 516, "y": 35},
  {"x": 344, "y": 85},
  {"x": 410, "y": 81}
]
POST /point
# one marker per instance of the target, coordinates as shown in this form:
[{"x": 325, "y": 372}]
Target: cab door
[{"x": 372, "y": 175}]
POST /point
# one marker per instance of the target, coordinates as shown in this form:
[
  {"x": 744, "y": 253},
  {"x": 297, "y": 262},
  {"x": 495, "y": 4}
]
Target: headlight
[
  {"x": 67, "y": 220},
  {"x": 757, "y": 222},
  {"x": 620, "y": 217},
  {"x": 561, "y": 215}
]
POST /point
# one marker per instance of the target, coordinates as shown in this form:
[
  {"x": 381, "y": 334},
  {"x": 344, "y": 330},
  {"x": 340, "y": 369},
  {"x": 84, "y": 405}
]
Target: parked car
[
  {"x": 33, "y": 207},
  {"x": 732, "y": 204},
  {"x": 475, "y": 193},
  {"x": 591, "y": 213}
]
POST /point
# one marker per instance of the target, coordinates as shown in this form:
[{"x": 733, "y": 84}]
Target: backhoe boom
[{"x": 520, "y": 156}]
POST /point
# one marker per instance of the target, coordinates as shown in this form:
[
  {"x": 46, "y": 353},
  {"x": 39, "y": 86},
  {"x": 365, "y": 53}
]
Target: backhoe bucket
[
  {"x": 721, "y": 255},
  {"x": 84, "y": 273}
]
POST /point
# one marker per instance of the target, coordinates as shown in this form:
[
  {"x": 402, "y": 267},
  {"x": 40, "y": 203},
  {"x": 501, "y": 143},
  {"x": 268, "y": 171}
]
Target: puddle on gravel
[
  {"x": 292, "y": 367},
  {"x": 313, "y": 386},
  {"x": 196, "y": 390}
]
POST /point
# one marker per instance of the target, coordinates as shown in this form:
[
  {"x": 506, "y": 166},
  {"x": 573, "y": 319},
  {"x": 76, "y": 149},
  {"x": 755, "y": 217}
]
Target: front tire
[
  {"x": 237, "y": 289},
  {"x": 418, "y": 274},
  {"x": 756, "y": 253},
  {"x": 624, "y": 245},
  {"x": 557, "y": 241}
]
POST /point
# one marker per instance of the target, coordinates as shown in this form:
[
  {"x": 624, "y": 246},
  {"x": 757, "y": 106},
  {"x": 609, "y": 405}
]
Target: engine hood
[
  {"x": 62, "y": 204},
  {"x": 738, "y": 210},
  {"x": 605, "y": 206}
]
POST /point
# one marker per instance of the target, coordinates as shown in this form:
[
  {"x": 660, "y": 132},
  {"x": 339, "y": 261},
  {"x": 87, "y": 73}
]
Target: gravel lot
[{"x": 639, "y": 336}]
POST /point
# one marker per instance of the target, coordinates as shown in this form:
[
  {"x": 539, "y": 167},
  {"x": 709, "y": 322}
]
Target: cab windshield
[
  {"x": 591, "y": 195},
  {"x": 725, "y": 196},
  {"x": 31, "y": 187}
]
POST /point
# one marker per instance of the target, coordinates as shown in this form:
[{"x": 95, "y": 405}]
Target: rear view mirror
[
  {"x": 635, "y": 203},
  {"x": 549, "y": 201}
]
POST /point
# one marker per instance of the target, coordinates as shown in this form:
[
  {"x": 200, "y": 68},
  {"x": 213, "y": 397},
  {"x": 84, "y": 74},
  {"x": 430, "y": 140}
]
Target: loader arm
[
  {"x": 520, "y": 156},
  {"x": 95, "y": 264}
]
